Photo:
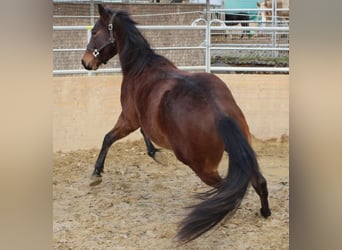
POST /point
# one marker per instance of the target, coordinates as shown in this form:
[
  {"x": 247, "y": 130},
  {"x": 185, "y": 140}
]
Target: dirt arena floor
[{"x": 140, "y": 202}]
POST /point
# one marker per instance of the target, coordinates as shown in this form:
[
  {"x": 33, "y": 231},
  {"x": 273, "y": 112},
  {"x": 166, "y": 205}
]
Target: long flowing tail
[{"x": 223, "y": 200}]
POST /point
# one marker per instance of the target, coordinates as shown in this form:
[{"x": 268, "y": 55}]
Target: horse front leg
[
  {"x": 155, "y": 153},
  {"x": 121, "y": 129},
  {"x": 151, "y": 150}
]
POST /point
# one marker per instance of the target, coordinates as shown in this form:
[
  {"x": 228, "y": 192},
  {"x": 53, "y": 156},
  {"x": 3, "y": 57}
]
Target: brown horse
[{"x": 193, "y": 114}]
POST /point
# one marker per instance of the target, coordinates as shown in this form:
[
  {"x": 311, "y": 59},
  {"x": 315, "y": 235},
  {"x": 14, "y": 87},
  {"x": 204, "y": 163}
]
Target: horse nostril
[{"x": 87, "y": 67}]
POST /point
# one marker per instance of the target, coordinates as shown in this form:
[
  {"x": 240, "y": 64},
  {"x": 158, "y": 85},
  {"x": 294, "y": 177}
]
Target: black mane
[{"x": 136, "y": 53}]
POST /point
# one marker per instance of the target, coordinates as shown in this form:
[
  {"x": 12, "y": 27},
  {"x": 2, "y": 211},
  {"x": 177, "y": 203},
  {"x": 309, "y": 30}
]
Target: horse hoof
[
  {"x": 161, "y": 158},
  {"x": 95, "y": 180},
  {"x": 265, "y": 212}
]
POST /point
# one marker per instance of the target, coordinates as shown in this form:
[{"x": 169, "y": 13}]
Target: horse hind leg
[
  {"x": 260, "y": 185},
  {"x": 204, "y": 168},
  {"x": 209, "y": 176}
]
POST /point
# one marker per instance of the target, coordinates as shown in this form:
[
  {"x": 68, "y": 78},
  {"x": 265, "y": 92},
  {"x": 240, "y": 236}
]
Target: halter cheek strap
[{"x": 96, "y": 52}]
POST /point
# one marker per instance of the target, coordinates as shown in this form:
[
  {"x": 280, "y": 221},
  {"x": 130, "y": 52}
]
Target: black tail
[{"x": 225, "y": 199}]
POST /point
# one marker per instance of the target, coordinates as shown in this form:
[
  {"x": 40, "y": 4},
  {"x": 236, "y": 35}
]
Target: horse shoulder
[{"x": 127, "y": 103}]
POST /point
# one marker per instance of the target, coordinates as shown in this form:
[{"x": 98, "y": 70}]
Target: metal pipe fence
[{"x": 215, "y": 38}]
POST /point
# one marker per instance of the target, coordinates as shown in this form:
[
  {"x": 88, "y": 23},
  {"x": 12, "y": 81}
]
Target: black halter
[{"x": 111, "y": 41}]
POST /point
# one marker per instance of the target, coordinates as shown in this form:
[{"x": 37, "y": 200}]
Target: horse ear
[{"x": 102, "y": 10}]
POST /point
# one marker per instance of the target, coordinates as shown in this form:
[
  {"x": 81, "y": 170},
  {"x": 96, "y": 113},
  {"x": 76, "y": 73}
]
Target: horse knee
[{"x": 109, "y": 139}]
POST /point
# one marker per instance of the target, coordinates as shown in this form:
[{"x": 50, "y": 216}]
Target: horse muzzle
[{"x": 89, "y": 62}]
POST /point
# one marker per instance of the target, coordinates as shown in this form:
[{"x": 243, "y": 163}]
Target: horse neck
[{"x": 133, "y": 49}]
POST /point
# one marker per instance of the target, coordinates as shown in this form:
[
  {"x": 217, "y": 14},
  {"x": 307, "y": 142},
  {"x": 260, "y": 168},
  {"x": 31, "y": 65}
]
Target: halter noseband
[{"x": 111, "y": 41}]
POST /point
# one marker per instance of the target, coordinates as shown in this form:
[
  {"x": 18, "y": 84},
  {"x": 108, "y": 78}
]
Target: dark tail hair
[{"x": 224, "y": 199}]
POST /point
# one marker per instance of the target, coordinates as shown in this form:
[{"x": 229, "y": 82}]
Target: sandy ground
[{"x": 140, "y": 202}]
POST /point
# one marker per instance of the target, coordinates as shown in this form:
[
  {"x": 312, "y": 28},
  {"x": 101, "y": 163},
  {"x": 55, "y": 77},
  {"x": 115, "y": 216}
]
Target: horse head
[{"x": 102, "y": 44}]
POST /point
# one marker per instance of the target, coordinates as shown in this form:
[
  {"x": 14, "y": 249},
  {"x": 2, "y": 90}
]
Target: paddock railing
[{"x": 211, "y": 41}]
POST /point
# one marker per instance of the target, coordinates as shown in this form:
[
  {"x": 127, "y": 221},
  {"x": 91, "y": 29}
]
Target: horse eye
[{"x": 93, "y": 32}]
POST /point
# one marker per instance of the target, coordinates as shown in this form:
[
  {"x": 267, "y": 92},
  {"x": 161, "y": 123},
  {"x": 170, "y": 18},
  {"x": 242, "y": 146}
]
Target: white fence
[{"x": 217, "y": 39}]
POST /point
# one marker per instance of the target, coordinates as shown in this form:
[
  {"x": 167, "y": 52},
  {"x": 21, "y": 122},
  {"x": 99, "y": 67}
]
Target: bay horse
[{"x": 192, "y": 114}]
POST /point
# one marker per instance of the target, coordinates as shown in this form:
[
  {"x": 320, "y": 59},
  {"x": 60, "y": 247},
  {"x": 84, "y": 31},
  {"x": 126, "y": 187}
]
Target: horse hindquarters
[{"x": 228, "y": 195}]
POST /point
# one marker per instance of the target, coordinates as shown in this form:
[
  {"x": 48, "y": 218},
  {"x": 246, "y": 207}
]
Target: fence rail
[{"x": 209, "y": 29}]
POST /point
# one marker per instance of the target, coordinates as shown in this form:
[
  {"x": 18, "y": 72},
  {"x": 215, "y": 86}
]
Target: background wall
[{"x": 85, "y": 108}]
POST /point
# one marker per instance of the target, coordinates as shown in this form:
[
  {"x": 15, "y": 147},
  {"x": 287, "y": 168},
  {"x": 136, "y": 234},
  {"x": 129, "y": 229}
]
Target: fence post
[
  {"x": 274, "y": 24},
  {"x": 92, "y": 12},
  {"x": 207, "y": 38},
  {"x": 92, "y": 22}
]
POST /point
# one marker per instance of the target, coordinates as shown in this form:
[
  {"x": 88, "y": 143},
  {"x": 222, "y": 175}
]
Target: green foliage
[{"x": 282, "y": 61}]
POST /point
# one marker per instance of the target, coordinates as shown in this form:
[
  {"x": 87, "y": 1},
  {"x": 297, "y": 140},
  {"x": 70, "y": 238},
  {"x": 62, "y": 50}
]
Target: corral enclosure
[
  {"x": 259, "y": 47},
  {"x": 140, "y": 202},
  {"x": 95, "y": 100},
  {"x": 143, "y": 14}
]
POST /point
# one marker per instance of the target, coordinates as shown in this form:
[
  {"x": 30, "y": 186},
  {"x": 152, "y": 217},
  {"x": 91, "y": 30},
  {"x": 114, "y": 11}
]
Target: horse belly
[
  {"x": 151, "y": 126},
  {"x": 158, "y": 137}
]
